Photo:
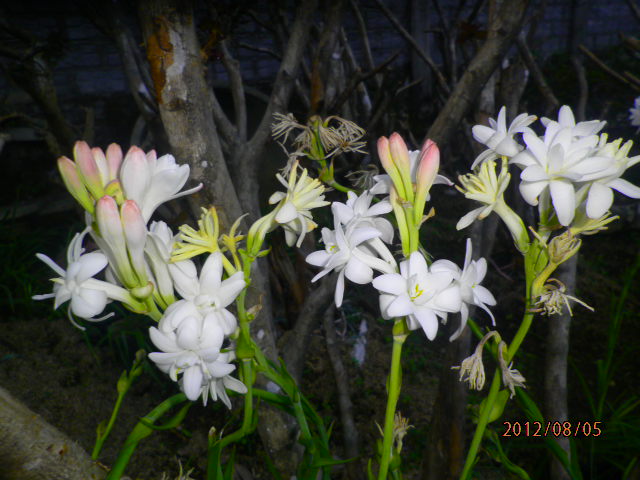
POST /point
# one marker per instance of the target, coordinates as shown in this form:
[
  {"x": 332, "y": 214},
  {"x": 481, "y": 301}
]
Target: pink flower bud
[
  {"x": 88, "y": 168},
  {"x": 400, "y": 156},
  {"x": 135, "y": 232},
  {"x": 111, "y": 231},
  {"x": 74, "y": 184},
  {"x": 114, "y": 160},
  {"x": 399, "y": 152},
  {"x": 428, "y": 166},
  {"x": 387, "y": 161}
]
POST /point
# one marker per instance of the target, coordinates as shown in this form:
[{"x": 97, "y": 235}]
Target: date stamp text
[{"x": 554, "y": 429}]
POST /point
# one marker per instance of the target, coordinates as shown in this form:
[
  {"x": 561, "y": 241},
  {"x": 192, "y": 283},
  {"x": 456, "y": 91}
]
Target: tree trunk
[
  {"x": 32, "y": 449},
  {"x": 185, "y": 107},
  {"x": 555, "y": 380}
]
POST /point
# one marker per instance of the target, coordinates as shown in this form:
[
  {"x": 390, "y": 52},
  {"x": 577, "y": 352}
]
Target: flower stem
[
  {"x": 483, "y": 421},
  {"x": 141, "y": 431},
  {"x": 392, "y": 401},
  {"x": 103, "y": 436}
]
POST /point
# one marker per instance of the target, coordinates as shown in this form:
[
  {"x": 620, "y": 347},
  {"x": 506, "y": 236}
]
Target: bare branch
[
  {"x": 282, "y": 87},
  {"x": 349, "y": 431},
  {"x": 603, "y": 66},
  {"x": 237, "y": 91},
  {"x": 634, "y": 8},
  {"x": 442, "y": 82},
  {"x": 364, "y": 36},
  {"x": 356, "y": 79},
  {"x": 255, "y": 48},
  {"x": 537, "y": 75},
  {"x": 363, "y": 92},
  {"x": 507, "y": 24}
]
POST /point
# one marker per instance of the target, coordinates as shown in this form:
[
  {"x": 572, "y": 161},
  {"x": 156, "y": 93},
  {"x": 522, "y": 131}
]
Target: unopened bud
[{"x": 563, "y": 247}]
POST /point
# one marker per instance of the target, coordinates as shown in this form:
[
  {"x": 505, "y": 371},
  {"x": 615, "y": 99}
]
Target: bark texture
[{"x": 32, "y": 449}]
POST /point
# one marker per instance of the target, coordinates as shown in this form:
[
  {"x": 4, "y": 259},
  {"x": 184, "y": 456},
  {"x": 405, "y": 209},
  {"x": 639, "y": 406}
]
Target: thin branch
[
  {"x": 363, "y": 92},
  {"x": 506, "y": 26},
  {"x": 349, "y": 431},
  {"x": 237, "y": 91},
  {"x": 537, "y": 75},
  {"x": 442, "y": 82},
  {"x": 284, "y": 79},
  {"x": 603, "y": 66},
  {"x": 356, "y": 79},
  {"x": 634, "y": 8},
  {"x": 364, "y": 37},
  {"x": 255, "y": 48}
]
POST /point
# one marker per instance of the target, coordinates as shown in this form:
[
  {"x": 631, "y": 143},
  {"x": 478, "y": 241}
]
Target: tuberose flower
[
  {"x": 209, "y": 293},
  {"x": 498, "y": 138},
  {"x": 468, "y": 280},
  {"x": 345, "y": 254},
  {"x": 190, "y": 345},
  {"x": 358, "y": 209},
  {"x": 151, "y": 181},
  {"x": 88, "y": 295},
  {"x": 567, "y": 120},
  {"x": 554, "y": 165},
  {"x": 419, "y": 294},
  {"x": 293, "y": 210}
]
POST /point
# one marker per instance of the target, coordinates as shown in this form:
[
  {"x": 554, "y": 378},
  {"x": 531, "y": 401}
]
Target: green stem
[
  {"x": 483, "y": 421},
  {"x": 341, "y": 188},
  {"x": 392, "y": 401},
  {"x": 139, "y": 432},
  {"x": 103, "y": 437}
]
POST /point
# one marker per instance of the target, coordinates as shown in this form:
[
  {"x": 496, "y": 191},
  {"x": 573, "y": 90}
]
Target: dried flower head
[
  {"x": 554, "y": 298},
  {"x": 318, "y": 137},
  {"x": 472, "y": 368},
  {"x": 511, "y": 378}
]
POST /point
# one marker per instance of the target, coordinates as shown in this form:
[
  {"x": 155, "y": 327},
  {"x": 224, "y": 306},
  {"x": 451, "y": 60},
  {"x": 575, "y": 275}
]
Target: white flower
[
  {"x": 468, "y": 280},
  {"x": 151, "y": 181},
  {"x": 358, "y": 211},
  {"x": 292, "y": 213},
  {"x": 420, "y": 295},
  {"x": 88, "y": 296},
  {"x": 485, "y": 187},
  {"x": 634, "y": 113},
  {"x": 567, "y": 120},
  {"x": 600, "y": 191},
  {"x": 345, "y": 254},
  {"x": 498, "y": 138},
  {"x": 216, "y": 387},
  {"x": 190, "y": 345},
  {"x": 383, "y": 182},
  {"x": 209, "y": 293},
  {"x": 555, "y": 165}
]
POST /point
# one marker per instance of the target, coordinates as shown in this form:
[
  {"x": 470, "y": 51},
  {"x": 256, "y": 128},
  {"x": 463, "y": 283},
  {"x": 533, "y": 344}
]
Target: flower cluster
[
  {"x": 570, "y": 171},
  {"x": 190, "y": 335},
  {"x": 358, "y": 245},
  {"x": 120, "y": 194}
]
